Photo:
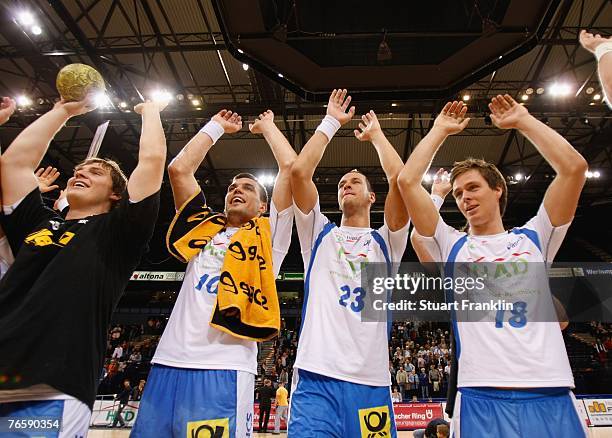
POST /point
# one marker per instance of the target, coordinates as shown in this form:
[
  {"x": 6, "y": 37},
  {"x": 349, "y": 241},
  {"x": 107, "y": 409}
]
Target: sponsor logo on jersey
[
  {"x": 375, "y": 422},
  {"x": 218, "y": 428}
]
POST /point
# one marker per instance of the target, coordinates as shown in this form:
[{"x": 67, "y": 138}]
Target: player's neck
[
  {"x": 80, "y": 212},
  {"x": 357, "y": 219},
  {"x": 494, "y": 226}
]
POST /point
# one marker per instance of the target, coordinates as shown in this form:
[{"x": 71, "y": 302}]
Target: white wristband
[
  {"x": 214, "y": 130},
  {"x": 62, "y": 203},
  {"x": 329, "y": 126},
  {"x": 602, "y": 49},
  {"x": 437, "y": 200}
]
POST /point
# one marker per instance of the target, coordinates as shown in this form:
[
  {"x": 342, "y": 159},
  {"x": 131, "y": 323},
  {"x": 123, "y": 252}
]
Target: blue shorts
[
  {"x": 181, "y": 402},
  {"x": 534, "y": 412},
  {"x": 326, "y": 407}
]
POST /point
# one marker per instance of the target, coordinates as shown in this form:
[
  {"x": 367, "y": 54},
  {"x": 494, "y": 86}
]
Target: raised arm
[
  {"x": 283, "y": 153},
  {"x": 183, "y": 167},
  {"x": 439, "y": 189},
  {"x": 303, "y": 188},
  {"x": 602, "y": 49},
  {"x": 396, "y": 215},
  {"x": 24, "y": 154},
  {"x": 7, "y": 108},
  {"x": 147, "y": 177},
  {"x": 422, "y": 212},
  {"x": 561, "y": 198}
]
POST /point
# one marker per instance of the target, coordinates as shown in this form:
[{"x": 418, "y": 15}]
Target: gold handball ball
[{"x": 75, "y": 81}]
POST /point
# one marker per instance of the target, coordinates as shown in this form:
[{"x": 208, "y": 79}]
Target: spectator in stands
[
  {"x": 123, "y": 397},
  {"x": 413, "y": 383},
  {"x": 437, "y": 428},
  {"x": 282, "y": 405},
  {"x": 137, "y": 391},
  {"x": 136, "y": 356},
  {"x": 401, "y": 377},
  {"x": 396, "y": 396},
  {"x": 265, "y": 395},
  {"x": 424, "y": 383},
  {"x": 283, "y": 377},
  {"x": 434, "y": 378},
  {"x": 118, "y": 352}
]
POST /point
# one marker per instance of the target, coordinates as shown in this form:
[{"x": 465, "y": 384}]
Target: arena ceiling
[{"x": 141, "y": 46}]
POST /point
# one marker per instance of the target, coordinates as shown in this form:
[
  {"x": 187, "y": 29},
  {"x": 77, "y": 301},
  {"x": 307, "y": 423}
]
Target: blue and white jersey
[
  {"x": 518, "y": 348},
  {"x": 334, "y": 342},
  {"x": 188, "y": 340}
]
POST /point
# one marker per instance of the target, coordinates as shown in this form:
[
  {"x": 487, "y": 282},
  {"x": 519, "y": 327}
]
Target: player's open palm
[
  {"x": 452, "y": 119},
  {"x": 7, "y": 108},
  {"x": 506, "y": 113},
  {"x": 46, "y": 178},
  {"x": 441, "y": 183},
  {"x": 369, "y": 127},
  {"x": 230, "y": 121},
  {"x": 79, "y": 107},
  {"x": 590, "y": 41},
  {"x": 263, "y": 122},
  {"x": 338, "y": 105}
]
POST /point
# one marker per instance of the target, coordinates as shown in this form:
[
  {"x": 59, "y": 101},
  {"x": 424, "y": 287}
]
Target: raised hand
[
  {"x": 264, "y": 121},
  {"x": 441, "y": 184},
  {"x": 157, "y": 105},
  {"x": 452, "y": 118},
  {"x": 230, "y": 121},
  {"x": 337, "y": 105},
  {"x": 79, "y": 107},
  {"x": 7, "y": 108},
  {"x": 369, "y": 127},
  {"x": 46, "y": 178},
  {"x": 590, "y": 41},
  {"x": 506, "y": 113}
]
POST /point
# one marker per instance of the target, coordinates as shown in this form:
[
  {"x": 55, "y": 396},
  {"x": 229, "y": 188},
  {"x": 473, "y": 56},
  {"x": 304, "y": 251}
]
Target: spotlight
[
  {"x": 518, "y": 176},
  {"x": 123, "y": 104},
  {"x": 40, "y": 101},
  {"x": 529, "y": 91},
  {"x": 540, "y": 90},
  {"x": 590, "y": 90},
  {"x": 26, "y": 18},
  {"x": 240, "y": 51},
  {"x": 196, "y": 102},
  {"x": 245, "y": 67},
  {"x": 179, "y": 97},
  {"x": 524, "y": 97},
  {"x": 102, "y": 100},
  {"x": 585, "y": 120},
  {"x": 266, "y": 180},
  {"x": 184, "y": 126},
  {"x": 561, "y": 90},
  {"x": 161, "y": 96},
  {"x": 24, "y": 100},
  {"x": 280, "y": 75},
  {"x": 466, "y": 97},
  {"x": 427, "y": 178},
  {"x": 589, "y": 174},
  {"x": 36, "y": 30},
  {"x": 394, "y": 104},
  {"x": 596, "y": 96},
  {"x": 596, "y": 174}
]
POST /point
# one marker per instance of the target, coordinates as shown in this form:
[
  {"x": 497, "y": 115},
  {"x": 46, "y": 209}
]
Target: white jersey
[
  {"x": 509, "y": 349},
  {"x": 188, "y": 340},
  {"x": 333, "y": 340},
  {"x": 6, "y": 256}
]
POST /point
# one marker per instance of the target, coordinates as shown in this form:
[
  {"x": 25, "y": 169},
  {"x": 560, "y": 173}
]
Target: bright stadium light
[
  {"x": 26, "y": 18},
  {"x": 36, "y": 30},
  {"x": 596, "y": 174},
  {"x": 596, "y": 96},
  {"x": 24, "y": 100},
  {"x": 161, "y": 96},
  {"x": 245, "y": 66},
  {"x": 102, "y": 100},
  {"x": 266, "y": 180},
  {"x": 560, "y": 90},
  {"x": 518, "y": 176},
  {"x": 427, "y": 178}
]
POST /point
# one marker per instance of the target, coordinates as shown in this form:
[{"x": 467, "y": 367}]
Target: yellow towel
[{"x": 247, "y": 303}]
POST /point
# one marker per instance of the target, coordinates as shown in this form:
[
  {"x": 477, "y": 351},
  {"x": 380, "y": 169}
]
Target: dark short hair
[
  {"x": 368, "y": 184},
  {"x": 489, "y": 172},
  {"x": 263, "y": 194},
  {"x": 117, "y": 176}
]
